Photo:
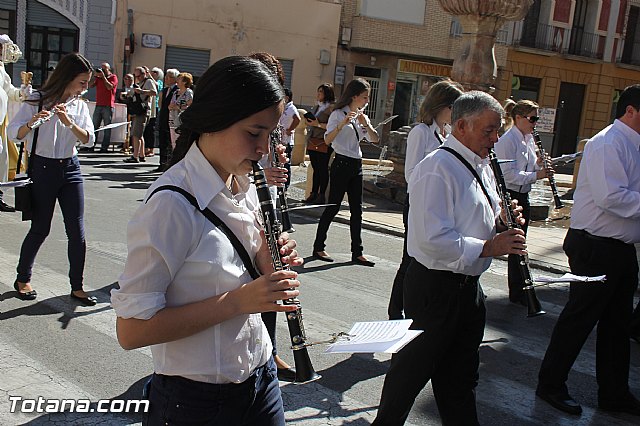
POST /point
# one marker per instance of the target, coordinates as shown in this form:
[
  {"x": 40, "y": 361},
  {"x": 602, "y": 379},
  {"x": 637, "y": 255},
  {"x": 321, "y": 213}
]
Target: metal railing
[{"x": 557, "y": 39}]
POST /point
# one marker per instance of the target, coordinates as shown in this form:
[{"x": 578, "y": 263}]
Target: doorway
[
  {"x": 568, "y": 115},
  {"x": 402, "y": 104}
]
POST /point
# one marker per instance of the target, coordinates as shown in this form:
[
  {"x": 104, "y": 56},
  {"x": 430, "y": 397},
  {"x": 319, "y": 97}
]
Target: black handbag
[{"x": 23, "y": 194}]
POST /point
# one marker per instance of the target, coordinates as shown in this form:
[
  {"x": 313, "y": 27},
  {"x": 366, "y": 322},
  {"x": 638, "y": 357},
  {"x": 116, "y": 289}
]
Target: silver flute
[{"x": 40, "y": 121}]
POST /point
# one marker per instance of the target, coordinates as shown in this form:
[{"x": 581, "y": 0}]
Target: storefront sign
[
  {"x": 423, "y": 68},
  {"x": 547, "y": 120}
]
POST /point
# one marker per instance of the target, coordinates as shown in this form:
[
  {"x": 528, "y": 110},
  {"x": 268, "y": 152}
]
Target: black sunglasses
[{"x": 533, "y": 118}]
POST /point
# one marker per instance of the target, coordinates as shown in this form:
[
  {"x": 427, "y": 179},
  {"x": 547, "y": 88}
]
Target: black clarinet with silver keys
[{"x": 272, "y": 230}]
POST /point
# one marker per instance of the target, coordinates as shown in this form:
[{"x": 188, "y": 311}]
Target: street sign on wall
[{"x": 547, "y": 120}]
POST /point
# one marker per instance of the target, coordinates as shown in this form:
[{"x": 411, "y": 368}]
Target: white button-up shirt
[
  {"x": 422, "y": 139},
  {"x": 606, "y": 202},
  {"x": 55, "y": 140},
  {"x": 347, "y": 142},
  {"x": 450, "y": 217},
  {"x": 520, "y": 174},
  {"x": 176, "y": 257},
  {"x": 290, "y": 111}
]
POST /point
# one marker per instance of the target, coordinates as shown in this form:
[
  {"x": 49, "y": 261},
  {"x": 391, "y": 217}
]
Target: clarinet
[
  {"x": 533, "y": 304},
  {"x": 276, "y": 138},
  {"x": 552, "y": 180},
  {"x": 272, "y": 229}
]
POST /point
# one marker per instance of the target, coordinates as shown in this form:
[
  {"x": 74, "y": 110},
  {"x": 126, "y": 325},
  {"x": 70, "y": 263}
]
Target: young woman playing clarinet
[
  {"x": 347, "y": 125},
  {"x": 518, "y": 144},
  {"x": 428, "y": 135},
  {"x": 186, "y": 290}
]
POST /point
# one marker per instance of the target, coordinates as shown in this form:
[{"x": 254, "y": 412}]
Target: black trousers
[
  {"x": 450, "y": 309},
  {"x": 320, "y": 164},
  {"x": 164, "y": 142},
  {"x": 395, "y": 301},
  {"x": 346, "y": 176},
  {"x": 607, "y": 304},
  {"x": 515, "y": 279},
  {"x": 149, "y": 134}
]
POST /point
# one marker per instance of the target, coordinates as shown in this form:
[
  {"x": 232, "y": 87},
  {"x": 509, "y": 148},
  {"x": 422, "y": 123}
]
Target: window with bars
[
  {"x": 45, "y": 47},
  {"x": 372, "y": 76}
]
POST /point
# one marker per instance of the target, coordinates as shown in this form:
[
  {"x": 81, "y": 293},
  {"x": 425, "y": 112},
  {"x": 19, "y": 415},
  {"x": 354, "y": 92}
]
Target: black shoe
[
  {"x": 311, "y": 199},
  {"x": 362, "y": 262},
  {"x": 87, "y": 301},
  {"x": 131, "y": 160},
  {"x": 142, "y": 159},
  {"x": 27, "y": 295},
  {"x": 160, "y": 169},
  {"x": 104, "y": 151},
  {"x": 317, "y": 255},
  {"x": 629, "y": 405},
  {"x": 562, "y": 401},
  {"x": 518, "y": 300},
  {"x": 4, "y": 207},
  {"x": 287, "y": 374},
  {"x": 85, "y": 149}
]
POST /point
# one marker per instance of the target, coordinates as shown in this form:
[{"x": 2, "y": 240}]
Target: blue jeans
[
  {"x": 103, "y": 114},
  {"x": 176, "y": 400},
  {"x": 56, "y": 179}
]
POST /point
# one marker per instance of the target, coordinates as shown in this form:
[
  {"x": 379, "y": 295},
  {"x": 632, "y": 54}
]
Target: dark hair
[
  {"x": 327, "y": 89},
  {"x": 272, "y": 63},
  {"x": 69, "y": 67},
  {"x": 354, "y": 88},
  {"x": 439, "y": 96},
  {"x": 288, "y": 93},
  {"x": 629, "y": 97},
  {"x": 231, "y": 90}
]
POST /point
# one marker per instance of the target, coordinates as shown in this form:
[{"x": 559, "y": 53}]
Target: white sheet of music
[
  {"x": 376, "y": 336},
  {"x": 570, "y": 278}
]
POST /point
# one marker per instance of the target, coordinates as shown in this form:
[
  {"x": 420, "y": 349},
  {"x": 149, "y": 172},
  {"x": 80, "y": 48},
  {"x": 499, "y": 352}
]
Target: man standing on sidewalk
[
  {"x": 164, "y": 136},
  {"x": 453, "y": 222},
  {"x": 600, "y": 241},
  {"x": 106, "y": 84}
]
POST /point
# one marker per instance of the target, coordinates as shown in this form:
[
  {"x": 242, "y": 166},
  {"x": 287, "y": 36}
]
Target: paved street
[{"x": 56, "y": 349}]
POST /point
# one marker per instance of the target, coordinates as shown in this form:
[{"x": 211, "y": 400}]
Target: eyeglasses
[{"x": 533, "y": 118}]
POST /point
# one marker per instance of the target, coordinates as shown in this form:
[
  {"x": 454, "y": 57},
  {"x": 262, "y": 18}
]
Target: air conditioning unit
[{"x": 345, "y": 37}]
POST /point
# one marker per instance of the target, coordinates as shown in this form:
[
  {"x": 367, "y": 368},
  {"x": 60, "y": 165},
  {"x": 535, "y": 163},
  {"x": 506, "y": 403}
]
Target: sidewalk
[{"x": 544, "y": 239}]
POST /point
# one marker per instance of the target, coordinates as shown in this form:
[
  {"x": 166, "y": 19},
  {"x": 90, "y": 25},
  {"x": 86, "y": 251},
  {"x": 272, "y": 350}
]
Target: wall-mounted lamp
[{"x": 373, "y": 60}]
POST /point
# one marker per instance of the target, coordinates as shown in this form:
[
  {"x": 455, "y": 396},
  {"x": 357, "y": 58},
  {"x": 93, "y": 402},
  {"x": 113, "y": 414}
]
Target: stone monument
[{"x": 475, "y": 67}]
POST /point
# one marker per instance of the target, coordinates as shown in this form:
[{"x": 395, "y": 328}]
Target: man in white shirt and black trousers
[
  {"x": 605, "y": 223},
  {"x": 456, "y": 226}
]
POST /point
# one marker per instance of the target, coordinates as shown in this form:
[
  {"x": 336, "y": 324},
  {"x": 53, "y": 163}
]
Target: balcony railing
[{"x": 556, "y": 39}]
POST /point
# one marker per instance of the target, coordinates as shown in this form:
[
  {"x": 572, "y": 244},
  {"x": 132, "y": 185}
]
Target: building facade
[
  {"x": 401, "y": 48},
  {"x": 190, "y": 35},
  {"x": 573, "y": 57},
  {"x": 45, "y": 30}
]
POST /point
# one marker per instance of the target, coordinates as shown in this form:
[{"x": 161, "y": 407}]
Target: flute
[
  {"x": 533, "y": 304},
  {"x": 552, "y": 180},
  {"x": 272, "y": 229},
  {"x": 40, "y": 121}
]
